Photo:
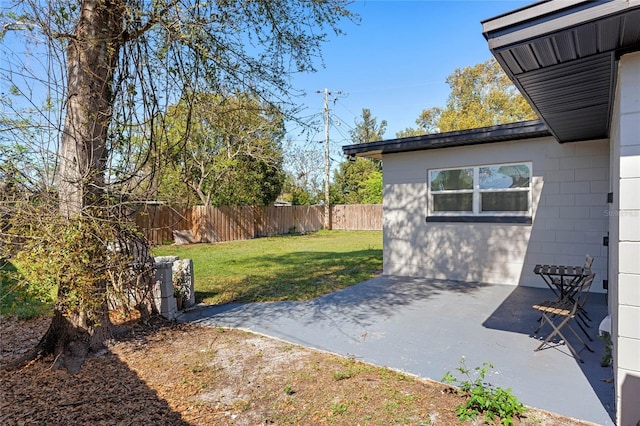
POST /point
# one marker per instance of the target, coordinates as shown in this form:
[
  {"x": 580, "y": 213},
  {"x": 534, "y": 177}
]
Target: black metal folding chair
[
  {"x": 582, "y": 314},
  {"x": 558, "y": 314}
]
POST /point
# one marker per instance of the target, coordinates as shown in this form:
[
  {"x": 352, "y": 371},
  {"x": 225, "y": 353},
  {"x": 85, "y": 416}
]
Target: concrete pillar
[
  {"x": 182, "y": 270},
  {"x": 163, "y": 297}
]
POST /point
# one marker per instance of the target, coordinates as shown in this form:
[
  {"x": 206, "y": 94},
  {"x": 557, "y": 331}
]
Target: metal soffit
[{"x": 562, "y": 55}]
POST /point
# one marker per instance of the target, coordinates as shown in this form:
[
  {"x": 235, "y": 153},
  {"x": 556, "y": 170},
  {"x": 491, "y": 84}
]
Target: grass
[
  {"x": 15, "y": 299},
  {"x": 291, "y": 267}
]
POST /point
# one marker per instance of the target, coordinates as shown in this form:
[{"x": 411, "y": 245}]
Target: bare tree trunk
[{"x": 92, "y": 56}]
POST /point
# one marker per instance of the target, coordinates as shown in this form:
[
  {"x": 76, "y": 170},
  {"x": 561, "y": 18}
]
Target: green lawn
[
  {"x": 292, "y": 267},
  {"x": 16, "y": 299}
]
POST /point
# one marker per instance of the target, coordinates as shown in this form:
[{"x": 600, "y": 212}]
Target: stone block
[
  {"x": 168, "y": 269},
  {"x": 184, "y": 236},
  {"x": 183, "y": 269},
  {"x": 162, "y": 259},
  {"x": 168, "y": 307}
]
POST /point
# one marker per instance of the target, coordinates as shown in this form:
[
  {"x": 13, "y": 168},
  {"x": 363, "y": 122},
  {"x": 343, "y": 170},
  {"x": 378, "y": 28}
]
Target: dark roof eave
[
  {"x": 547, "y": 17},
  {"x": 492, "y": 134},
  {"x": 577, "y": 42}
]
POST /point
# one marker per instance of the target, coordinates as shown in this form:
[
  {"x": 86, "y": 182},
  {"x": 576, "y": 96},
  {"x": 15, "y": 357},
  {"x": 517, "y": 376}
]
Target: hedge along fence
[{"x": 206, "y": 224}]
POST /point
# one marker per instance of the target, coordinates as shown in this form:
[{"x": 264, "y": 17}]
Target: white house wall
[
  {"x": 570, "y": 186},
  {"x": 624, "y": 302}
]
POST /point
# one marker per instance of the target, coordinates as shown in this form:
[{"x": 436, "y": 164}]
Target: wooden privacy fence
[
  {"x": 357, "y": 217},
  {"x": 205, "y": 224}
]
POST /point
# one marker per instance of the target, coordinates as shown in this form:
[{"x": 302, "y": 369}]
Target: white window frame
[{"x": 477, "y": 191}]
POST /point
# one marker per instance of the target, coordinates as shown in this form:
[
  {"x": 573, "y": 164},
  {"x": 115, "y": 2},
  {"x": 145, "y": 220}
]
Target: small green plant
[
  {"x": 342, "y": 375},
  {"x": 483, "y": 398},
  {"x": 288, "y": 389},
  {"x": 353, "y": 367},
  {"x": 607, "y": 357},
  {"x": 338, "y": 408},
  {"x": 197, "y": 368}
]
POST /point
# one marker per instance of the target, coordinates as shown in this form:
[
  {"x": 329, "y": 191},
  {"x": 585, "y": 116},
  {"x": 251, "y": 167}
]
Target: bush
[{"x": 78, "y": 264}]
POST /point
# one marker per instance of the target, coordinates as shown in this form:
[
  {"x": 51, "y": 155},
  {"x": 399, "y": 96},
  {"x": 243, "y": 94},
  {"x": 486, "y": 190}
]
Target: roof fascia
[
  {"x": 531, "y": 23},
  {"x": 532, "y": 11},
  {"x": 493, "y": 134}
]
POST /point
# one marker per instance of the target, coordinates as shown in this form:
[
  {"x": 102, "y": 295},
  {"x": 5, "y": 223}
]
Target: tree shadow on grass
[{"x": 300, "y": 276}]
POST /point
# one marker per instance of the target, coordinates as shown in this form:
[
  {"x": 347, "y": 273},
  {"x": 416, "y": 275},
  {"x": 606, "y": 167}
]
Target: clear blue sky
[{"x": 396, "y": 60}]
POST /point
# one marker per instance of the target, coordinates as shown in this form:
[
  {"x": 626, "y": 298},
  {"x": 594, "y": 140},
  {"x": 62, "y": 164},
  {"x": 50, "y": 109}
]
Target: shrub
[{"x": 77, "y": 264}]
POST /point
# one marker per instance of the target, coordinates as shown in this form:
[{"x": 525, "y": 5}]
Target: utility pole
[{"x": 327, "y": 160}]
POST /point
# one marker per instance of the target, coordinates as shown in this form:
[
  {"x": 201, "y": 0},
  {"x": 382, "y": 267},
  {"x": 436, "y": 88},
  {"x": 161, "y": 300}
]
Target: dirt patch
[{"x": 183, "y": 374}]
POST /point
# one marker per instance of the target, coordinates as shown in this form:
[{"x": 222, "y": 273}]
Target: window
[{"x": 481, "y": 192}]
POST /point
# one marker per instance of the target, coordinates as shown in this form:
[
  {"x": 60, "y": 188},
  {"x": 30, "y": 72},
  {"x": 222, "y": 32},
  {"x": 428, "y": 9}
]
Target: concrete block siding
[
  {"x": 570, "y": 185},
  {"x": 624, "y": 302}
]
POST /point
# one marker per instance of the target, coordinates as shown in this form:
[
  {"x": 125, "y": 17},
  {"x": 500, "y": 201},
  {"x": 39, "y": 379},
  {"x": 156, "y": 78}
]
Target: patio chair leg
[
  {"x": 564, "y": 339},
  {"x": 556, "y": 331}
]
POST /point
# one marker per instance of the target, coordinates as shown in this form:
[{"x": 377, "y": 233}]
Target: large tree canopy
[
  {"x": 481, "y": 95},
  {"x": 357, "y": 182},
  {"x": 232, "y": 154},
  {"x": 110, "y": 70}
]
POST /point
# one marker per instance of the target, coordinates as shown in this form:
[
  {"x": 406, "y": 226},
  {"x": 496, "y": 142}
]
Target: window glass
[
  {"x": 515, "y": 201},
  {"x": 503, "y": 177},
  {"x": 456, "y": 202},
  {"x": 455, "y": 179},
  {"x": 501, "y": 189}
]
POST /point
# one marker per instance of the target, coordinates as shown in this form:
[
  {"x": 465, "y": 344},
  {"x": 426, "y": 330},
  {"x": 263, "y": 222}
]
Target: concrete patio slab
[{"x": 425, "y": 327}]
